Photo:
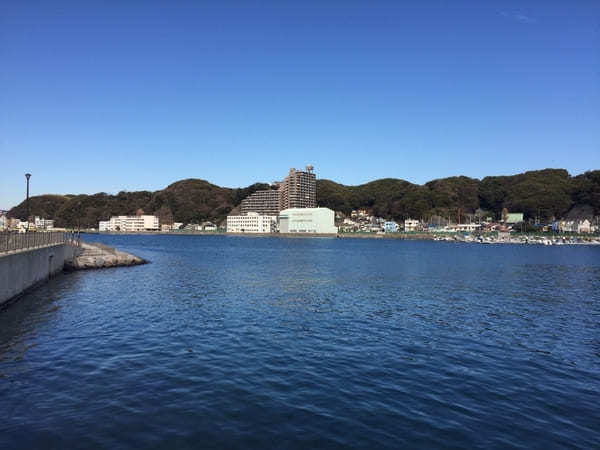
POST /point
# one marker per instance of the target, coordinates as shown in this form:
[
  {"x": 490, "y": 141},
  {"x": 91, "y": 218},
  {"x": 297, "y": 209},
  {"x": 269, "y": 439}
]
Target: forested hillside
[{"x": 544, "y": 193}]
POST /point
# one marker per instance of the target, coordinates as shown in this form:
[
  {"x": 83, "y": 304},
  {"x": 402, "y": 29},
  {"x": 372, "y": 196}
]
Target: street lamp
[{"x": 27, "y": 175}]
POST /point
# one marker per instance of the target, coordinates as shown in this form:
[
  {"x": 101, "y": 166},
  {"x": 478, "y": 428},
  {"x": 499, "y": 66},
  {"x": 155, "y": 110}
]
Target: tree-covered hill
[
  {"x": 544, "y": 193},
  {"x": 188, "y": 201}
]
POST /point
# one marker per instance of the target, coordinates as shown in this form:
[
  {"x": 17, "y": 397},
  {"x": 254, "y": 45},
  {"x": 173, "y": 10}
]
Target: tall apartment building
[
  {"x": 298, "y": 189},
  {"x": 265, "y": 203}
]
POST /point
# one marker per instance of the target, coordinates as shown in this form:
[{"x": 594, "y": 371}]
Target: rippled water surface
[{"x": 233, "y": 342}]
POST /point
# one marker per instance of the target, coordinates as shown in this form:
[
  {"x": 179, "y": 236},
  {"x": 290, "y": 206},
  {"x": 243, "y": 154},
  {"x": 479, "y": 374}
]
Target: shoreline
[{"x": 517, "y": 239}]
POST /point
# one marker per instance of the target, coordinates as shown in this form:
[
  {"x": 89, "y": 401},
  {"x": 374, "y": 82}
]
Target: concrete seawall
[{"x": 24, "y": 269}]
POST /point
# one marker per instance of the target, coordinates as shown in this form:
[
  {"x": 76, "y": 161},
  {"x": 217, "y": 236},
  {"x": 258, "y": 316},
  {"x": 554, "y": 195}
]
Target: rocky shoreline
[{"x": 97, "y": 256}]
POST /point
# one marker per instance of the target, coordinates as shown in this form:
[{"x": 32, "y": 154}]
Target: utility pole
[{"x": 27, "y": 175}]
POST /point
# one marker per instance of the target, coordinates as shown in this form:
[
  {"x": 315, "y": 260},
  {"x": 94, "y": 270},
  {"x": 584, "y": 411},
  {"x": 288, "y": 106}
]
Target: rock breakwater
[{"x": 97, "y": 256}]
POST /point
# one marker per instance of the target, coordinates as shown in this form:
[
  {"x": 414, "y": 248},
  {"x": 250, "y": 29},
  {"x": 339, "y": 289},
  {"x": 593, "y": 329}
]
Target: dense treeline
[
  {"x": 539, "y": 194},
  {"x": 188, "y": 201}
]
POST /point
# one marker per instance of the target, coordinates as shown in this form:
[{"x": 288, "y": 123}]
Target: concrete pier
[{"x": 22, "y": 270}]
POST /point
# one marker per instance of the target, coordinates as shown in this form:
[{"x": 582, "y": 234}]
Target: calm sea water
[{"x": 233, "y": 342}]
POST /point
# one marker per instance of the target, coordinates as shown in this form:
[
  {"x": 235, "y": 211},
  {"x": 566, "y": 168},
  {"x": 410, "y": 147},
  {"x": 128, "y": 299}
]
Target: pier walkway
[{"x": 18, "y": 242}]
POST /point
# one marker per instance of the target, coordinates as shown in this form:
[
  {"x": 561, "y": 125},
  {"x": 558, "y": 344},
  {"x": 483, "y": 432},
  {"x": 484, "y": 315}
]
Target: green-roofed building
[{"x": 514, "y": 218}]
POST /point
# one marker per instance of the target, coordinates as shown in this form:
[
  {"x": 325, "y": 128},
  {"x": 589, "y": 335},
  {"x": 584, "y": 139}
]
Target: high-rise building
[
  {"x": 298, "y": 189},
  {"x": 265, "y": 203}
]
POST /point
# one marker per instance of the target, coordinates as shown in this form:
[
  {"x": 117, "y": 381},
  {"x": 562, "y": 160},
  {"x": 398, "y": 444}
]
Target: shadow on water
[{"x": 24, "y": 317}]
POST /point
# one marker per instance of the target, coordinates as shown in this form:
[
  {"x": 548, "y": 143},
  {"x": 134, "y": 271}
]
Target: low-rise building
[
  {"x": 468, "y": 227},
  {"x": 513, "y": 218},
  {"x": 3, "y": 222},
  {"x": 390, "y": 226},
  {"x": 307, "y": 220},
  {"x": 584, "y": 226},
  {"x": 13, "y": 224},
  {"x": 43, "y": 224},
  {"x": 130, "y": 223},
  {"x": 411, "y": 225},
  {"x": 208, "y": 226},
  {"x": 251, "y": 223},
  {"x": 171, "y": 226}
]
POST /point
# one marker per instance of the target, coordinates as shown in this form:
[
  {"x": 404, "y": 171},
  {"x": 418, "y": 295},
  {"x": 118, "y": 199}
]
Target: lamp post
[{"x": 27, "y": 175}]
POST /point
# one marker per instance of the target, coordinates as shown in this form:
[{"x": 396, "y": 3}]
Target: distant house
[
  {"x": 390, "y": 227},
  {"x": 584, "y": 226},
  {"x": 411, "y": 225},
  {"x": 512, "y": 218},
  {"x": 469, "y": 227},
  {"x": 208, "y": 226},
  {"x": 572, "y": 226},
  {"x": 43, "y": 224}
]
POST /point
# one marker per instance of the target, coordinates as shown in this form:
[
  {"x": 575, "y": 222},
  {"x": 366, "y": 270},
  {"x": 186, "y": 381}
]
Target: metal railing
[{"x": 12, "y": 242}]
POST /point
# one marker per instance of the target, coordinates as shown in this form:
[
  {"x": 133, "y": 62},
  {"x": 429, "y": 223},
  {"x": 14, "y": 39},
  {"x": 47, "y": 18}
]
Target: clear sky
[{"x": 129, "y": 95}]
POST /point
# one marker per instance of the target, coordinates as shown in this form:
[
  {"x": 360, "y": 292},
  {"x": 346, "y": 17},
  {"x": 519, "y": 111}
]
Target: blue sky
[{"x": 130, "y": 95}]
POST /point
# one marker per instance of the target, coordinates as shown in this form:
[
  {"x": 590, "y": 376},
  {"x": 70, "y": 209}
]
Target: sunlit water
[{"x": 233, "y": 342}]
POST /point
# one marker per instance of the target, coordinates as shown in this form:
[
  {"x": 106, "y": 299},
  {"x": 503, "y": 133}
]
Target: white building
[
  {"x": 307, "y": 220},
  {"x": 171, "y": 226},
  {"x": 104, "y": 225},
  {"x": 469, "y": 227},
  {"x": 411, "y": 225},
  {"x": 390, "y": 226},
  {"x": 131, "y": 223},
  {"x": 584, "y": 226},
  {"x": 3, "y": 222},
  {"x": 251, "y": 223},
  {"x": 43, "y": 224}
]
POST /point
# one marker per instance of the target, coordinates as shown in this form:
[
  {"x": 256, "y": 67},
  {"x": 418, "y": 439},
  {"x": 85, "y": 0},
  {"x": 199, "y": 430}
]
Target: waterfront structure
[
  {"x": 131, "y": 223},
  {"x": 411, "y": 225},
  {"x": 307, "y": 220},
  {"x": 298, "y": 190},
  {"x": 265, "y": 203},
  {"x": 390, "y": 227},
  {"x": 251, "y": 223}
]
